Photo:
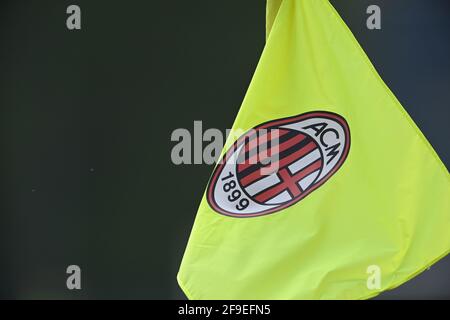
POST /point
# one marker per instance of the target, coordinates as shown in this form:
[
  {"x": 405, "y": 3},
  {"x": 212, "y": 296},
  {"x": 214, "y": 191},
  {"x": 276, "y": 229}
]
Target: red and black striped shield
[{"x": 278, "y": 163}]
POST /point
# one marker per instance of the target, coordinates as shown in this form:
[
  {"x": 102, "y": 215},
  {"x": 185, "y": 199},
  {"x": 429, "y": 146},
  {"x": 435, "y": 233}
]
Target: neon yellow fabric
[
  {"x": 272, "y": 7},
  {"x": 388, "y": 205}
]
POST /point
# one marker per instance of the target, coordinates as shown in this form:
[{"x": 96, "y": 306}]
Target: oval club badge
[{"x": 278, "y": 163}]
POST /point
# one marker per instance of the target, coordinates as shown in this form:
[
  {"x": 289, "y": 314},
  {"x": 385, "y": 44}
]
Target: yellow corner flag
[{"x": 332, "y": 192}]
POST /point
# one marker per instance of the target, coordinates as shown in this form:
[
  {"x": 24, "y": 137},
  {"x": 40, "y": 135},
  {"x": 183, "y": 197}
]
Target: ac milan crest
[{"x": 279, "y": 163}]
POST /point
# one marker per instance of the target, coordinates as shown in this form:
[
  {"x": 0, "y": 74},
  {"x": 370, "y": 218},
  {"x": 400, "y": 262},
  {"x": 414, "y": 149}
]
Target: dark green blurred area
[{"x": 86, "y": 119}]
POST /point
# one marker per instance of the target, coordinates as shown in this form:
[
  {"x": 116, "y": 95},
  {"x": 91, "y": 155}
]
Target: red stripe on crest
[
  {"x": 262, "y": 155},
  {"x": 278, "y": 165}
]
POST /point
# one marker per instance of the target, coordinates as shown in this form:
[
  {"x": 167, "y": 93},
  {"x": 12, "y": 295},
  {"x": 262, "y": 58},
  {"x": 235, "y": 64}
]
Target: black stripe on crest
[{"x": 281, "y": 155}]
